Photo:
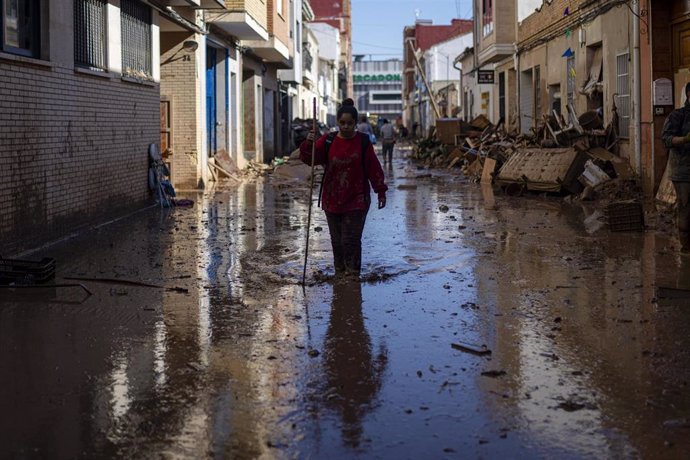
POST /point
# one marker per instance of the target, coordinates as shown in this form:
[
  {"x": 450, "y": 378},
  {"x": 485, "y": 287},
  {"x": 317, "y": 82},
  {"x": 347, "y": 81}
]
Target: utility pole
[{"x": 428, "y": 88}]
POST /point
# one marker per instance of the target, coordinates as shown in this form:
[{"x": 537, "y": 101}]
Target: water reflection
[{"x": 353, "y": 371}]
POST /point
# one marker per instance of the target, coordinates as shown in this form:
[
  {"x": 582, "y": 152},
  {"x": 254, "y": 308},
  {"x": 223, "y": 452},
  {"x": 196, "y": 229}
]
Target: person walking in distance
[
  {"x": 365, "y": 127},
  {"x": 351, "y": 170},
  {"x": 388, "y": 134},
  {"x": 676, "y": 137}
]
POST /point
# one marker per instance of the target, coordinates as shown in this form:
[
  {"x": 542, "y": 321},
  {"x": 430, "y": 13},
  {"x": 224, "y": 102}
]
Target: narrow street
[{"x": 240, "y": 362}]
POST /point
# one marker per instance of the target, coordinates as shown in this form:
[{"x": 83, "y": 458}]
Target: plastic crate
[
  {"x": 26, "y": 271},
  {"x": 625, "y": 216}
]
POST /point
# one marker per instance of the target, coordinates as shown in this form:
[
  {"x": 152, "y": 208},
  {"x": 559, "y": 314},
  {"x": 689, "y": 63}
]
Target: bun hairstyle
[{"x": 348, "y": 106}]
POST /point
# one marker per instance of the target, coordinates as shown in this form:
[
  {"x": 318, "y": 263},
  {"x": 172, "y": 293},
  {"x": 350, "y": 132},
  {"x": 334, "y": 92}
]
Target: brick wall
[
  {"x": 549, "y": 15},
  {"x": 178, "y": 85},
  {"x": 73, "y": 150},
  {"x": 277, "y": 24},
  {"x": 257, "y": 9}
]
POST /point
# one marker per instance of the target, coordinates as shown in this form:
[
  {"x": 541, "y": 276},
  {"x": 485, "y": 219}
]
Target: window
[
  {"x": 136, "y": 39},
  {"x": 298, "y": 39},
  {"x": 21, "y": 25},
  {"x": 383, "y": 97},
  {"x": 90, "y": 39},
  {"x": 623, "y": 90},
  {"x": 487, "y": 16}
]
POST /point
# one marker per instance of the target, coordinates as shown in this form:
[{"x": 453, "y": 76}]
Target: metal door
[{"x": 211, "y": 100}]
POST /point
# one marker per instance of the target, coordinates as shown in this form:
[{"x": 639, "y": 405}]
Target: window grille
[
  {"x": 90, "y": 37},
  {"x": 136, "y": 39},
  {"x": 623, "y": 90}
]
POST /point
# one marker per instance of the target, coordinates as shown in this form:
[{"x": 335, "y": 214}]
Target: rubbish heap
[{"x": 578, "y": 159}]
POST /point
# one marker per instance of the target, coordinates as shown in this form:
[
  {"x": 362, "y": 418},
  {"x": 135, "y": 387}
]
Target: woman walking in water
[{"x": 351, "y": 171}]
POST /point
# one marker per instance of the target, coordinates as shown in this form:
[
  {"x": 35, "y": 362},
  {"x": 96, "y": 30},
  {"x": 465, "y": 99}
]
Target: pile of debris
[
  {"x": 301, "y": 127},
  {"x": 579, "y": 158}
]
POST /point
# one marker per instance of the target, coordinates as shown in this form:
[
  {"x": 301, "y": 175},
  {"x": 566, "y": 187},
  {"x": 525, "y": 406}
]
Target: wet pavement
[{"x": 232, "y": 359}]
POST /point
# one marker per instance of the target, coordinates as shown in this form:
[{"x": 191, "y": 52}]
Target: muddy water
[{"x": 585, "y": 361}]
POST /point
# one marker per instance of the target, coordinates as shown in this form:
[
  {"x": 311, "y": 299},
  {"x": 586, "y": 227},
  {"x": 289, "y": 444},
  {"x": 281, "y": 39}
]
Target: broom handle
[{"x": 311, "y": 189}]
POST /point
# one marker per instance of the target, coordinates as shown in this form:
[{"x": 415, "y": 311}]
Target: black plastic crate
[
  {"x": 26, "y": 271},
  {"x": 625, "y": 216}
]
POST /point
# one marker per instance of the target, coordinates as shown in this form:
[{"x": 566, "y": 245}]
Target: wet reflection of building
[
  {"x": 577, "y": 324},
  {"x": 353, "y": 370}
]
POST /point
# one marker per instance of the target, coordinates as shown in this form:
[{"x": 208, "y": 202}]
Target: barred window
[
  {"x": 136, "y": 39},
  {"x": 90, "y": 37},
  {"x": 623, "y": 90}
]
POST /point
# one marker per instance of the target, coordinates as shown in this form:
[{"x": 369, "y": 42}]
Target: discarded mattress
[{"x": 544, "y": 170}]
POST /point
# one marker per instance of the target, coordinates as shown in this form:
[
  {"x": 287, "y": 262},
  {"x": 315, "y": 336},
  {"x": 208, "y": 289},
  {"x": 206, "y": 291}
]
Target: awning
[{"x": 593, "y": 82}]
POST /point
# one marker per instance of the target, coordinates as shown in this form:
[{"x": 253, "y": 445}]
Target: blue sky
[{"x": 377, "y": 25}]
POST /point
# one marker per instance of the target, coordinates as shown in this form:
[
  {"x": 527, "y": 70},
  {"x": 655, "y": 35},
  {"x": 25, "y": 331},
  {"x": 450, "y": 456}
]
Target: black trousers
[
  {"x": 346, "y": 239},
  {"x": 388, "y": 151}
]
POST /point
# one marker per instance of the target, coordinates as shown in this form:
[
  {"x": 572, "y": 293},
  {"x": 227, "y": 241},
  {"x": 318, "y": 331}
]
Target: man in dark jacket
[{"x": 676, "y": 136}]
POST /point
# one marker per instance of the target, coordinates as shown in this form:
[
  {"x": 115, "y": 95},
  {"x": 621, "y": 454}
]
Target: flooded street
[{"x": 232, "y": 359}]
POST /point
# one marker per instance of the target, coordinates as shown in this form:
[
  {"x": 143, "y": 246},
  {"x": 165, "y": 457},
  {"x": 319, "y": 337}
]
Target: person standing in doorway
[
  {"x": 676, "y": 137},
  {"x": 388, "y": 135},
  {"x": 351, "y": 170}
]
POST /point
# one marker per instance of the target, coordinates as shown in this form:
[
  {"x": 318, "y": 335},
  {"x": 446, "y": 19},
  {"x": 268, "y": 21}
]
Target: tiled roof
[{"x": 429, "y": 35}]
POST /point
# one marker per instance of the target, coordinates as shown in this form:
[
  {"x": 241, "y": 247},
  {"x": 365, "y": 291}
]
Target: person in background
[
  {"x": 363, "y": 126},
  {"x": 350, "y": 167},
  {"x": 388, "y": 135},
  {"x": 676, "y": 137}
]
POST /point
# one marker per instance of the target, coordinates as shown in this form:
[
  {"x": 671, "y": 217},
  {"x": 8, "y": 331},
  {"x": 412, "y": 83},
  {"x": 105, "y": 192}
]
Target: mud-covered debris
[
  {"x": 195, "y": 366},
  {"x": 318, "y": 229},
  {"x": 443, "y": 208},
  {"x": 470, "y": 348},
  {"x": 677, "y": 423},
  {"x": 494, "y": 373},
  {"x": 374, "y": 277},
  {"x": 313, "y": 352},
  {"x": 449, "y": 450},
  {"x": 557, "y": 319},
  {"x": 407, "y": 187},
  {"x": 419, "y": 374},
  {"x": 552, "y": 356},
  {"x": 571, "y": 406}
]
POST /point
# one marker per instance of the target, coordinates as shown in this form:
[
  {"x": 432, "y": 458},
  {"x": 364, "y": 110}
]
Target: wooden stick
[{"x": 311, "y": 191}]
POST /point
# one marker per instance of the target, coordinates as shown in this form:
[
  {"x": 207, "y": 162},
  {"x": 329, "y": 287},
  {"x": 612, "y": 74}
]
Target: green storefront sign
[{"x": 377, "y": 78}]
